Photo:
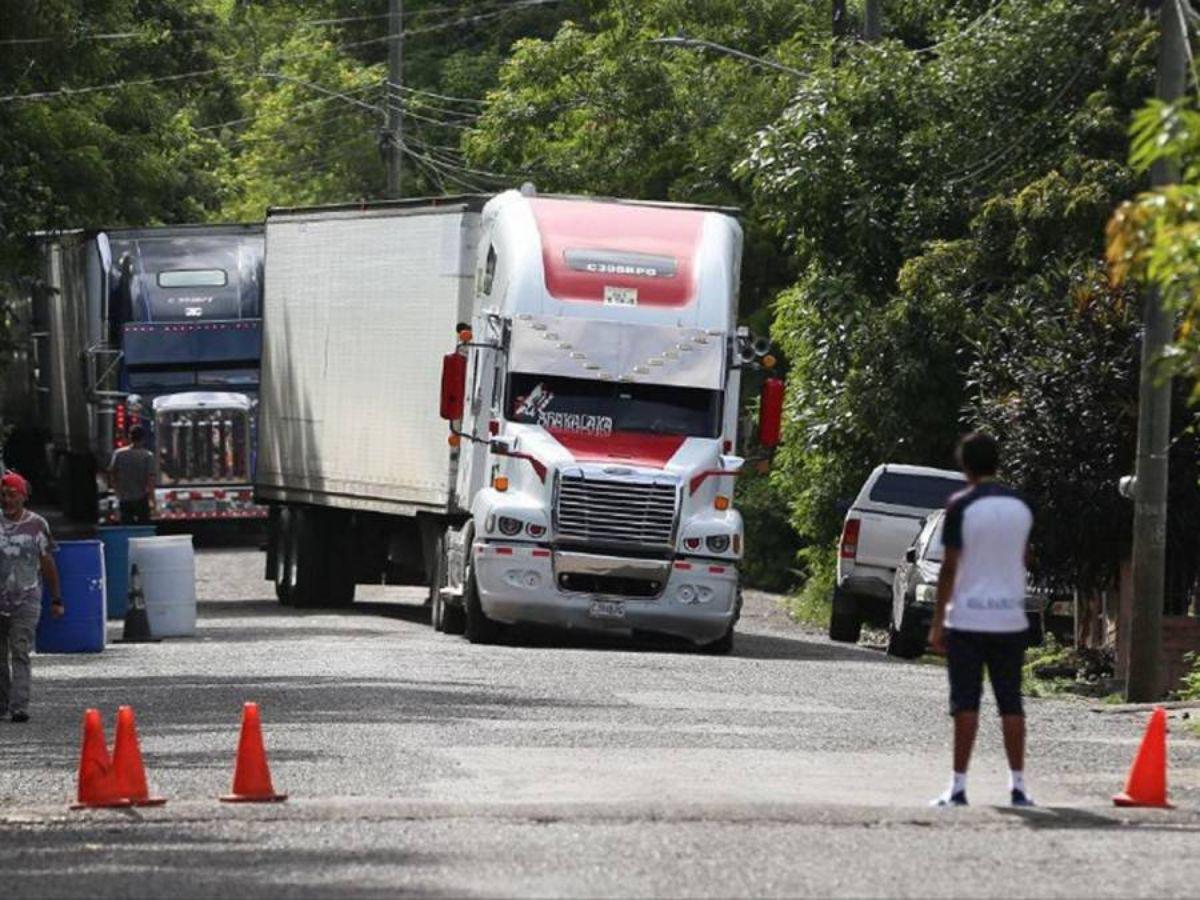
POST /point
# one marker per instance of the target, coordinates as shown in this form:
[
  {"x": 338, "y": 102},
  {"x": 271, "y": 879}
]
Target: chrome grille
[{"x": 599, "y": 509}]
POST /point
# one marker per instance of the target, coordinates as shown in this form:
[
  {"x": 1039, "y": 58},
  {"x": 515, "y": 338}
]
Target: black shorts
[
  {"x": 1003, "y": 653},
  {"x": 135, "y": 512}
]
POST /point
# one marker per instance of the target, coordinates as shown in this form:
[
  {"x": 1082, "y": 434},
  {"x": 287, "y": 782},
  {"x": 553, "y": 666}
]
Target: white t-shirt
[{"x": 989, "y": 524}]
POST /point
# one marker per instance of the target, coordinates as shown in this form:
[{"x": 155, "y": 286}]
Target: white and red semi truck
[{"x": 570, "y": 462}]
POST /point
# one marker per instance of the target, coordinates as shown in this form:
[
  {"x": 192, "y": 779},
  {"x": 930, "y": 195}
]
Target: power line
[
  {"x": 429, "y": 119},
  {"x": 155, "y": 32},
  {"x": 991, "y": 160},
  {"x": 969, "y": 29},
  {"x": 447, "y": 97},
  {"x": 307, "y": 103},
  {"x": 467, "y": 20},
  {"x": 115, "y": 85}
]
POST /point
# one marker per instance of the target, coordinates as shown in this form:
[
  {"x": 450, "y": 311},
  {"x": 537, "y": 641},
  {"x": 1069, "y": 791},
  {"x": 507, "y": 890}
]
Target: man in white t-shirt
[{"x": 980, "y": 617}]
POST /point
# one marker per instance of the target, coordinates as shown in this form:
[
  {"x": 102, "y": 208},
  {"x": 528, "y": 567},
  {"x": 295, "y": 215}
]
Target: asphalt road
[{"x": 559, "y": 765}]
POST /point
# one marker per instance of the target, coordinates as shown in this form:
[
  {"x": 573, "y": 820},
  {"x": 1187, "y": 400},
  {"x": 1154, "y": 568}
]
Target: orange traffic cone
[
  {"x": 97, "y": 779},
  {"x": 251, "y": 776},
  {"x": 127, "y": 762},
  {"x": 1147, "y": 783}
]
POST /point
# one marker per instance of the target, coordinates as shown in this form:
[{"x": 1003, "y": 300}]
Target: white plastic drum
[{"x": 167, "y": 566}]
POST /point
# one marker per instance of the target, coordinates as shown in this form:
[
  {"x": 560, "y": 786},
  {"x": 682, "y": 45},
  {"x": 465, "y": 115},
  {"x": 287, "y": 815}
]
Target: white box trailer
[
  {"x": 360, "y": 305},
  {"x": 585, "y": 356}
]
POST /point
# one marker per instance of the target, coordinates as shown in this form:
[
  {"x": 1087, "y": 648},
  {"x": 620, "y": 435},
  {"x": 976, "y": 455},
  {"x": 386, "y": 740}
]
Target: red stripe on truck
[{"x": 632, "y": 447}]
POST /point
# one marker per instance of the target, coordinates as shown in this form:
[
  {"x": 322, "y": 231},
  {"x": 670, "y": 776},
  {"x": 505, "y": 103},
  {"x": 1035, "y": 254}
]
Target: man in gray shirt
[{"x": 131, "y": 476}]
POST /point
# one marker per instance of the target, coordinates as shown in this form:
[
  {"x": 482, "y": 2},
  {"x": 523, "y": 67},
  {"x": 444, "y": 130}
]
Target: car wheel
[
  {"x": 906, "y": 640},
  {"x": 844, "y": 624}
]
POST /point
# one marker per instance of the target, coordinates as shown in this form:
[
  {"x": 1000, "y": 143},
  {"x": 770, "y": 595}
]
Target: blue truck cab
[{"x": 159, "y": 327}]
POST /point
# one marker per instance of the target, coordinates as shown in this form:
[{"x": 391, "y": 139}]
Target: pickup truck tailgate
[{"x": 883, "y": 537}]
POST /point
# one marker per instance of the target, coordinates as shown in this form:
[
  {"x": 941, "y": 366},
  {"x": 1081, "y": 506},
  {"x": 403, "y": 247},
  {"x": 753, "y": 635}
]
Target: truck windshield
[
  {"x": 202, "y": 446},
  {"x": 583, "y": 406}
]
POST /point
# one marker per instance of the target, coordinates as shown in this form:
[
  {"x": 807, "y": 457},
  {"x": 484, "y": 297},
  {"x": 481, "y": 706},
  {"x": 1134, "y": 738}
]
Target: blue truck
[{"x": 159, "y": 327}]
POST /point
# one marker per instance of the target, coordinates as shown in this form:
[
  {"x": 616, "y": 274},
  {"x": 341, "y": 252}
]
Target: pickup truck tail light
[{"x": 850, "y": 538}]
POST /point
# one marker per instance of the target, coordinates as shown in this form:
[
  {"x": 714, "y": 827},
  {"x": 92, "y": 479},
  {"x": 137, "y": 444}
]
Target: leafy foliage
[
  {"x": 924, "y": 216},
  {"x": 1156, "y": 237},
  {"x": 947, "y": 210}
]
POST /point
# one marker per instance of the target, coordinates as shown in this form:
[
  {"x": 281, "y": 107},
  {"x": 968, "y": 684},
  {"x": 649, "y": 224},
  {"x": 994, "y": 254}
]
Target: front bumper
[{"x": 523, "y": 583}]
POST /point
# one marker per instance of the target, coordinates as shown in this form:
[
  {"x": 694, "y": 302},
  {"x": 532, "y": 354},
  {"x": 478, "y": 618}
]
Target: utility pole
[
  {"x": 394, "y": 139},
  {"x": 872, "y": 20},
  {"x": 1143, "y": 682}
]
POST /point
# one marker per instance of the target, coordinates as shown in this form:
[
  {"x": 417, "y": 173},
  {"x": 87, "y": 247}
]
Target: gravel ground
[{"x": 562, "y": 765}]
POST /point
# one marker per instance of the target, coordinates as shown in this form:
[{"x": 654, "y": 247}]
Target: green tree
[{"x": 938, "y": 201}]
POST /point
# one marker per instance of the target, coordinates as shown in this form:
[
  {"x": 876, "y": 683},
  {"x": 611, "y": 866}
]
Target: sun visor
[{"x": 617, "y": 351}]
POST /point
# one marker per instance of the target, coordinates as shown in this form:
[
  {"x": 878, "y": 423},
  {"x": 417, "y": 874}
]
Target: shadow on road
[
  {"x": 746, "y": 645},
  {"x": 159, "y": 859},
  {"x": 1062, "y": 818}
]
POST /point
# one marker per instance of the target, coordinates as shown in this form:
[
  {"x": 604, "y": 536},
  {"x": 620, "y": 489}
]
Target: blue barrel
[
  {"x": 82, "y": 627},
  {"x": 116, "y": 563}
]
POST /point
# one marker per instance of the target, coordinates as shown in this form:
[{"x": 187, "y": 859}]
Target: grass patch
[
  {"x": 811, "y": 604},
  {"x": 1189, "y": 687},
  {"x": 1055, "y": 668}
]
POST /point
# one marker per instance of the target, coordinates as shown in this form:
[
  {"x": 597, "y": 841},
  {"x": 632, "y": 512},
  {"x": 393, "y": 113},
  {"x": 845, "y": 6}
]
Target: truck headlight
[
  {"x": 717, "y": 543},
  {"x": 509, "y": 527},
  {"x": 926, "y": 594}
]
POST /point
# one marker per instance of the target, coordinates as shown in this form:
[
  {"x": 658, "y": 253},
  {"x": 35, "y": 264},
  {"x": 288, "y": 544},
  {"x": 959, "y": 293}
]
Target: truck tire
[
  {"x": 309, "y": 573},
  {"x": 448, "y": 618},
  {"x": 336, "y": 533},
  {"x": 723, "y": 645},
  {"x": 479, "y": 629},
  {"x": 844, "y": 624},
  {"x": 281, "y": 542},
  {"x": 437, "y": 579},
  {"x": 454, "y": 618}
]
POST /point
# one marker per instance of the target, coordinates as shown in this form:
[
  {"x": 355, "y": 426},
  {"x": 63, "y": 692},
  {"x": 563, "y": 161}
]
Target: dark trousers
[{"x": 135, "y": 512}]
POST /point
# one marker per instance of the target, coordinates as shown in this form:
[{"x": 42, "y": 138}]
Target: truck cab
[
  {"x": 599, "y": 381},
  {"x": 184, "y": 317}
]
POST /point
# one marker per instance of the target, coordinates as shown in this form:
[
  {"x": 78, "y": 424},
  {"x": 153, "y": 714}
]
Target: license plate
[{"x": 607, "y": 609}]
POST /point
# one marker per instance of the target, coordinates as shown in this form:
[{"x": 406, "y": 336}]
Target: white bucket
[{"x": 167, "y": 566}]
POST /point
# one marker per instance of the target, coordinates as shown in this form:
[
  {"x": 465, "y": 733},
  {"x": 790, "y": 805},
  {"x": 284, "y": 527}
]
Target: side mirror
[
  {"x": 910, "y": 555},
  {"x": 454, "y": 386},
  {"x": 770, "y": 412}
]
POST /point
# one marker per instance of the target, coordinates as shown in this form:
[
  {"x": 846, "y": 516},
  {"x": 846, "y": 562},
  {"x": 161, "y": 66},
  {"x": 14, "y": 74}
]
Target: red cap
[{"x": 15, "y": 482}]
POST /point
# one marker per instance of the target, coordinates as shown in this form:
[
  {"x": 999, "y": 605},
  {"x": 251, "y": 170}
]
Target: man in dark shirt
[
  {"x": 980, "y": 616},
  {"x": 131, "y": 477}
]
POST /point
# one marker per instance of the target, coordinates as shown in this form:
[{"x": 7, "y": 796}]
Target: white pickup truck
[{"x": 879, "y": 528}]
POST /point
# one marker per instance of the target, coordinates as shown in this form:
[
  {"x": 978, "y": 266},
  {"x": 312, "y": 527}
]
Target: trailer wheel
[
  {"x": 309, "y": 573},
  {"x": 281, "y": 542},
  {"x": 479, "y": 628},
  {"x": 336, "y": 536}
]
